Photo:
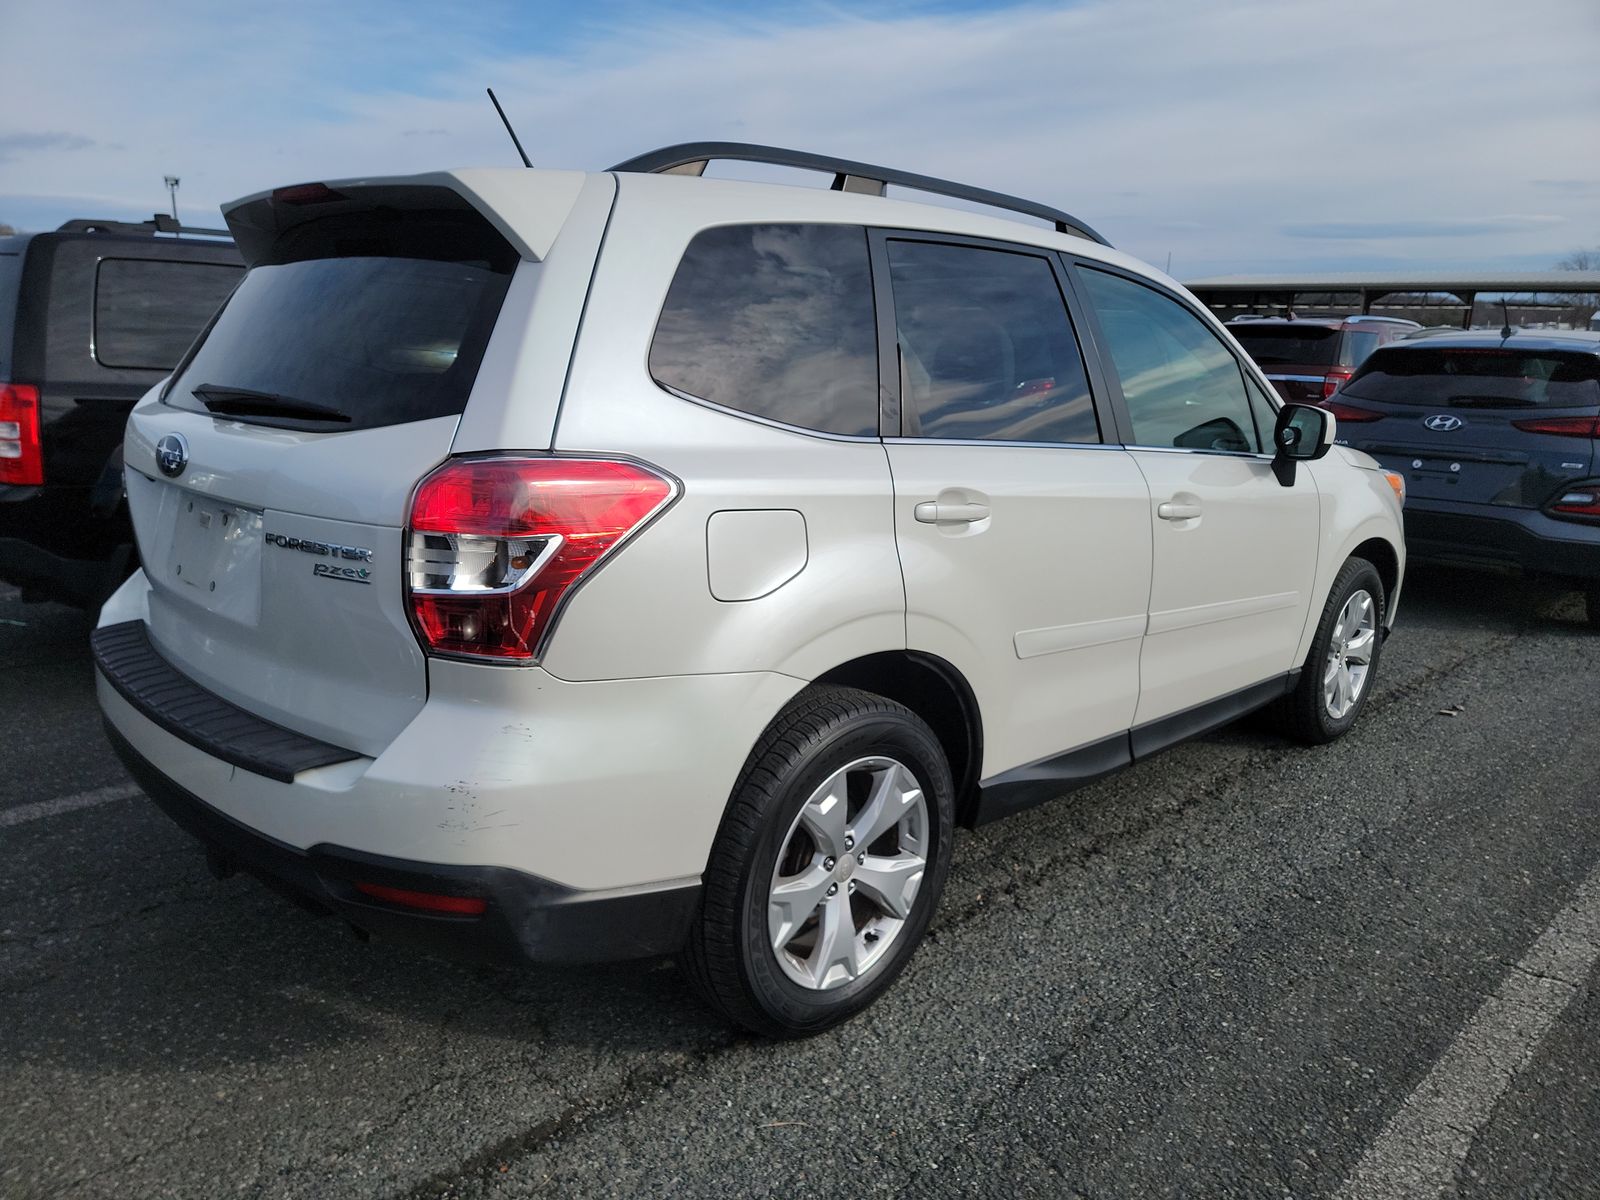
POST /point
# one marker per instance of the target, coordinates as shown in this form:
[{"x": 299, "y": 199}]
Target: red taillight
[
  {"x": 1334, "y": 380},
  {"x": 1580, "y": 427},
  {"x": 1349, "y": 412},
  {"x": 461, "y": 906},
  {"x": 496, "y": 543},
  {"x": 21, "y": 459}
]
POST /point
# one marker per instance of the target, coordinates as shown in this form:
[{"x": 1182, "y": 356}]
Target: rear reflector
[
  {"x": 21, "y": 458},
  {"x": 1581, "y": 427},
  {"x": 496, "y": 544},
  {"x": 1582, "y": 501},
  {"x": 1348, "y": 412},
  {"x": 463, "y": 906}
]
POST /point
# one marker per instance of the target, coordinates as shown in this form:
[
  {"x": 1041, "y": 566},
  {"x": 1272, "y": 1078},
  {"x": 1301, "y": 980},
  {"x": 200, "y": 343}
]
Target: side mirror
[{"x": 1304, "y": 434}]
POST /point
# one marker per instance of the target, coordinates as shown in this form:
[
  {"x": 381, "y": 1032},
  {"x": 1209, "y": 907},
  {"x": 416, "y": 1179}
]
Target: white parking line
[
  {"x": 63, "y": 804},
  {"x": 1423, "y": 1146}
]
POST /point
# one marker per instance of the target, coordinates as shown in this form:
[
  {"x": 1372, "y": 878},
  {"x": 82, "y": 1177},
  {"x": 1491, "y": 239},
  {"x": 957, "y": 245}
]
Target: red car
[{"x": 1307, "y": 359}]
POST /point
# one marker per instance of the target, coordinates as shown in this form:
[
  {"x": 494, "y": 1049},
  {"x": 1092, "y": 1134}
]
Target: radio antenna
[{"x": 515, "y": 141}]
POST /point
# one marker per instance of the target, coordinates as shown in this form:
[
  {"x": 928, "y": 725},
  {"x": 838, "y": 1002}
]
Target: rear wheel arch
[{"x": 938, "y": 693}]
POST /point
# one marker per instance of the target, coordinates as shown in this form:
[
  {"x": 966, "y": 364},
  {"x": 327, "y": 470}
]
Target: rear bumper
[
  {"x": 47, "y": 576},
  {"x": 1477, "y": 534},
  {"x": 525, "y": 917},
  {"x": 55, "y": 544}
]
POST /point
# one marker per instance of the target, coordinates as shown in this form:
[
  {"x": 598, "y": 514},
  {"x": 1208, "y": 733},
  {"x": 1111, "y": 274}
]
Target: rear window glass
[
  {"x": 987, "y": 350},
  {"x": 146, "y": 312},
  {"x": 1297, "y": 345},
  {"x": 775, "y": 321},
  {"x": 369, "y": 322},
  {"x": 1486, "y": 377}
]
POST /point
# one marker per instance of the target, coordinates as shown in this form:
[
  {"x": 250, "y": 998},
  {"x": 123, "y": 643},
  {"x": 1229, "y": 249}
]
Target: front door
[{"x": 1235, "y": 551}]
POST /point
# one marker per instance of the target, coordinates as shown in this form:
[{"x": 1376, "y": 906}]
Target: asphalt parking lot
[{"x": 1242, "y": 968}]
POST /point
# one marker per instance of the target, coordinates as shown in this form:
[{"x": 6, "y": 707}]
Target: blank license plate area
[{"x": 216, "y": 558}]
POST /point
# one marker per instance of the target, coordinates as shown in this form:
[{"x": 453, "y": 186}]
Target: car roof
[
  {"x": 1322, "y": 322},
  {"x": 1580, "y": 340},
  {"x": 529, "y": 206}
]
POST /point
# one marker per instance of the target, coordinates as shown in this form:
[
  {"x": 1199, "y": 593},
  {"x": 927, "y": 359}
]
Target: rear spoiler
[{"x": 528, "y": 208}]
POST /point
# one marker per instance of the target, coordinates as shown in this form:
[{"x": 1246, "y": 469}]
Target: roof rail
[
  {"x": 690, "y": 158},
  {"x": 160, "y": 223},
  {"x": 1389, "y": 320}
]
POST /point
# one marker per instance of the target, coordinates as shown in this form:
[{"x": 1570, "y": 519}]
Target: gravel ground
[{"x": 1224, "y": 972}]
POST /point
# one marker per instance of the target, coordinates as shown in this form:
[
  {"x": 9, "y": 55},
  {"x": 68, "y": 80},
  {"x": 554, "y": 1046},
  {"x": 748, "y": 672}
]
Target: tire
[
  {"x": 780, "y": 967},
  {"x": 1591, "y": 601},
  {"x": 1309, "y": 713}
]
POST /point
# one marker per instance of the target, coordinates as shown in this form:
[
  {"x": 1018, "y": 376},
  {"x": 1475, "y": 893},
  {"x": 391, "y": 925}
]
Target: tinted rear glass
[
  {"x": 1441, "y": 377},
  {"x": 775, "y": 321},
  {"x": 987, "y": 350},
  {"x": 1299, "y": 345},
  {"x": 146, "y": 312},
  {"x": 383, "y": 320}
]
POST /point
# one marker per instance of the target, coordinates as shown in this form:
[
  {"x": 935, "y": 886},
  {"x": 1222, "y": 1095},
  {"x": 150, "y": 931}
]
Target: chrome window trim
[
  {"x": 902, "y": 440},
  {"x": 760, "y": 420},
  {"x": 1298, "y": 378},
  {"x": 1267, "y": 458}
]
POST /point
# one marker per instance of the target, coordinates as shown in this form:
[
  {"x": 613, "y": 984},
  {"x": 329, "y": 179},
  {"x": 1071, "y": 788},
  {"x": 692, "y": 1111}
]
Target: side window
[
  {"x": 1358, "y": 343},
  {"x": 147, "y": 312},
  {"x": 986, "y": 347},
  {"x": 776, "y": 321},
  {"x": 1182, "y": 386}
]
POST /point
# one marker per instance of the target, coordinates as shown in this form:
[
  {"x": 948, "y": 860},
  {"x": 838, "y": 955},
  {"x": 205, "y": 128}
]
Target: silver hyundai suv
[{"x": 568, "y": 566}]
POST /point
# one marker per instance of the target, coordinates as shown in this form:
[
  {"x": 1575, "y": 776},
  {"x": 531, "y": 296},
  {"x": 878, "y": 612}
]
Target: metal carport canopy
[{"x": 1371, "y": 287}]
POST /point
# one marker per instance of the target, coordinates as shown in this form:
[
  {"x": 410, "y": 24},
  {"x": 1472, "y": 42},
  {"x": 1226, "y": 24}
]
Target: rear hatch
[
  {"x": 1304, "y": 362},
  {"x": 1504, "y": 424},
  {"x": 269, "y": 483}
]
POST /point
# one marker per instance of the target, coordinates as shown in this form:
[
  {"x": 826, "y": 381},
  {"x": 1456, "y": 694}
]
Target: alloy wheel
[
  {"x": 1350, "y": 650},
  {"x": 848, "y": 873}
]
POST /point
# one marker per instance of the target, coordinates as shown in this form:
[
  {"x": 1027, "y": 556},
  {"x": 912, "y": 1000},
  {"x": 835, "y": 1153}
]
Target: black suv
[
  {"x": 1496, "y": 437},
  {"x": 1308, "y": 358},
  {"x": 91, "y": 315}
]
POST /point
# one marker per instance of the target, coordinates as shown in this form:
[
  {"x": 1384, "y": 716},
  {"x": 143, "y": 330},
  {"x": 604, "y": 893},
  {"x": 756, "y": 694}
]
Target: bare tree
[
  {"x": 6, "y": 230},
  {"x": 1583, "y": 304}
]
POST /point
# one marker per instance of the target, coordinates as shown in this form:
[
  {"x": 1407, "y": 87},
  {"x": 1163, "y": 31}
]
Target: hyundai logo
[
  {"x": 172, "y": 455},
  {"x": 1443, "y": 422}
]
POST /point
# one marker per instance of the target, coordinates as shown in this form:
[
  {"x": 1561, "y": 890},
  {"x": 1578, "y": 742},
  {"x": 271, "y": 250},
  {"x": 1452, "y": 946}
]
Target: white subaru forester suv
[{"x": 568, "y": 566}]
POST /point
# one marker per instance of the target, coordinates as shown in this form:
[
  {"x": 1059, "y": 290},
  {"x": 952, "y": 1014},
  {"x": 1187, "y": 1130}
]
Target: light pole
[{"x": 172, "y": 192}]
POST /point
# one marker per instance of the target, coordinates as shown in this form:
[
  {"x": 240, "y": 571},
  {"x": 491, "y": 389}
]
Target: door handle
[
  {"x": 932, "y": 512},
  {"x": 1171, "y": 510}
]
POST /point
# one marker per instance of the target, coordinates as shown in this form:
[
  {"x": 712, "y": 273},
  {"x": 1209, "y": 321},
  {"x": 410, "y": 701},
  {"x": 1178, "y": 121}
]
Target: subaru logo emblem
[
  {"x": 1443, "y": 422},
  {"x": 172, "y": 455}
]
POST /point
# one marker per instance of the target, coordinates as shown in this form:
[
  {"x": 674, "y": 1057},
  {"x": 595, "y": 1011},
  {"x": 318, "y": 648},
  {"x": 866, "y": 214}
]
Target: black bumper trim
[
  {"x": 526, "y": 918},
  {"x": 183, "y": 708},
  {"x": 1515, "y": 537}
]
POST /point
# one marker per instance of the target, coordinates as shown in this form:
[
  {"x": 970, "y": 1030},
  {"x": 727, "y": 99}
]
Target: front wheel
[
  {"x": 828, "y": 865},
  {"x": 1337, "y": 678}
]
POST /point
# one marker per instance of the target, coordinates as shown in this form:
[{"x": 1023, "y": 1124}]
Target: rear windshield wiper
[{"x": 247, "y": 402}]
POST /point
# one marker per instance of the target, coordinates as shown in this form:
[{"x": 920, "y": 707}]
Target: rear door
[
  {"x": 270, "y": 483},
  {"x": 1235, "y": 551},
  {"x": 1505, "y": 425},
  {"x": 1023, "y": 535}
]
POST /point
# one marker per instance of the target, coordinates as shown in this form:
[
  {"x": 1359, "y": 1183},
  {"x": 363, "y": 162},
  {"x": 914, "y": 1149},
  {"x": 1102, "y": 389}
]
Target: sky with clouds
[{"x": 1234, "y": 135}]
